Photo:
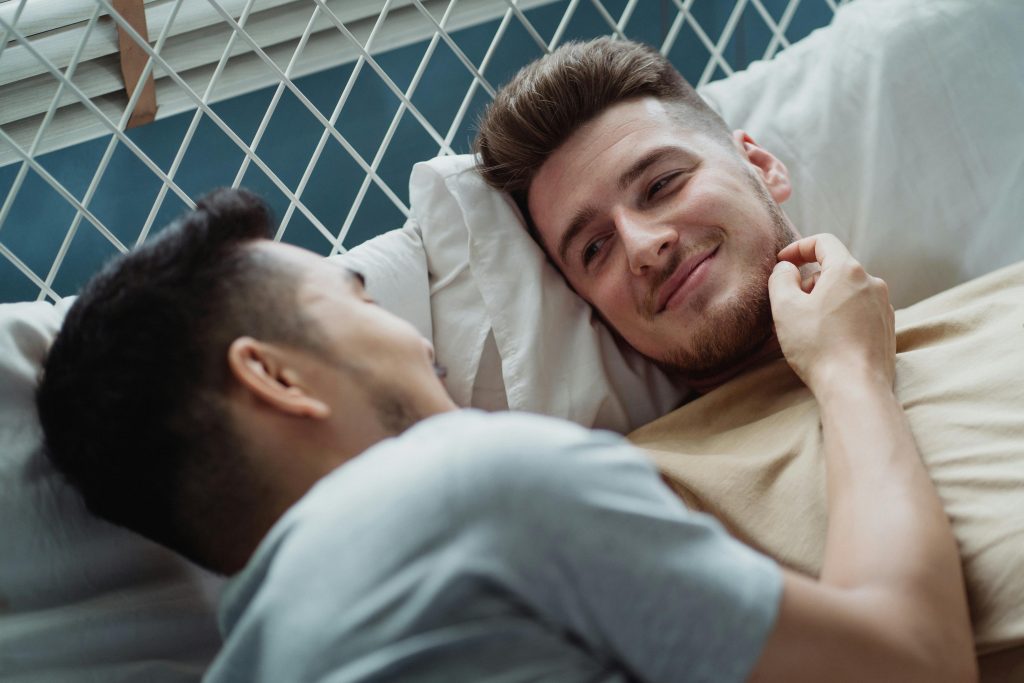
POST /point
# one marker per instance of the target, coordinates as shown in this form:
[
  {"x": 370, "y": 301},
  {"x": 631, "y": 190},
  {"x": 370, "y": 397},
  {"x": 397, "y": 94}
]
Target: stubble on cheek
[
  {"x": 395, "y": 412},
  {"x": 699, "y": 302},
  {"x": 725, "y": 335}
]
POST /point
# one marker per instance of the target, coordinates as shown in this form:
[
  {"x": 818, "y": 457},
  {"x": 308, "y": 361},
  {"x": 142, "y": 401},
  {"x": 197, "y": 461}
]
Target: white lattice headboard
[{"x": 320, "y": 105}]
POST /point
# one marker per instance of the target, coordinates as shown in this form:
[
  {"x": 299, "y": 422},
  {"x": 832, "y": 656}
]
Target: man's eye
[
  {"x": 660, "y": 184},
  {"x": 592, "y": 250}
]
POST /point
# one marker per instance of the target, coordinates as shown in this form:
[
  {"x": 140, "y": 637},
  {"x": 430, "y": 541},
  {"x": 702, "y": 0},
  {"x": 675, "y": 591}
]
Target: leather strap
[{"x": 133, "y": 61}]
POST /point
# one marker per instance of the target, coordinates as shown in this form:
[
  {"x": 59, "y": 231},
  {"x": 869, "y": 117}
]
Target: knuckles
[{"x": 853, "y": 270}]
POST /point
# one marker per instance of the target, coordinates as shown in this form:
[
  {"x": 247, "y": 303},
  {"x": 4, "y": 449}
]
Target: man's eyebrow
[
  {"x": 645, "y": 162},
  {"x": 582, "y": 217},
  {"x": 579, "y": 221}
]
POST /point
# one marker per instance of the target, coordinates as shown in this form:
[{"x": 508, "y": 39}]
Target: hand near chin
[{"x": 837, "y": 325}]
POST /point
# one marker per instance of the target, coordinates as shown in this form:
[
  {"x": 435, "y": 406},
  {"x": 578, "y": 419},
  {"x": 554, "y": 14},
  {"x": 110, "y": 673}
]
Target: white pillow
[
  {"x": 80, "y": 598},
  {"x": 901, "y": 125}
]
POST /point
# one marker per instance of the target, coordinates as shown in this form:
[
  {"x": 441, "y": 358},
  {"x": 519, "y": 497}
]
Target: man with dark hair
[
  {"x": 658, "y": 216},
  {"x": 156, "y": 364},
  {"x": 145, "y": 345},
  {"x": 245, "y": 403}
]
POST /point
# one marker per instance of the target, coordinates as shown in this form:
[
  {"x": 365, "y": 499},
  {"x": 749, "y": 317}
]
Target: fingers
[
  {"x": 808, "y": 283},
  {"x": 783, "y": 284},
  {"x": 832, "y": 318},
  {"x": 814, "y": 249}
]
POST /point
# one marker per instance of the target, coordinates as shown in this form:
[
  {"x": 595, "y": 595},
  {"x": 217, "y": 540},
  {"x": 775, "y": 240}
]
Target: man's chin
[
  {"x": 725, "y": 345},
  {"x": 703, "y": 380}
]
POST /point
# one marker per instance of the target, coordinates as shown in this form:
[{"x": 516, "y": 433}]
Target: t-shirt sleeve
[{"x": 604, "y": 549}]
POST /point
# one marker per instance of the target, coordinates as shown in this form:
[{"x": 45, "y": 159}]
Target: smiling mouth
[{"x": 681, "y": 276}]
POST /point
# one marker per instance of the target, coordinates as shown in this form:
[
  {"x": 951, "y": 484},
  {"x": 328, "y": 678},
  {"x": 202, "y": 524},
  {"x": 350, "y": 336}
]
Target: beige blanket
[{"x": 750, "y": 452}]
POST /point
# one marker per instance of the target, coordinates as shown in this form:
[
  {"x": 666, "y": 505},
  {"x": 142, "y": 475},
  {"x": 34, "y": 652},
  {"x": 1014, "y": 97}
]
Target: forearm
[
  {"x": 890, "y": 602},
  {"x": 888, "y": 535}
]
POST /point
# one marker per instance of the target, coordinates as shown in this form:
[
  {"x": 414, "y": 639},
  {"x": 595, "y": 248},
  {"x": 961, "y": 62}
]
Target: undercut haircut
[
  {"x": 133, "y": 394},
  {"x": 552, "y": 97}
]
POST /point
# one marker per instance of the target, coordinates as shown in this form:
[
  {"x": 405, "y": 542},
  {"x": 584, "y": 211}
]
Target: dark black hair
[{"x": 133, "y": 395}]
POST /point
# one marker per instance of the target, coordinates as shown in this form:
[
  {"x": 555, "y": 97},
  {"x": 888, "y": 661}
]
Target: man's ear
[
  {"x": 772, "y": 171},
  {"x": 269, "y": 374}
]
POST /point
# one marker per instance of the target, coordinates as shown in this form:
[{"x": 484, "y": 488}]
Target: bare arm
[{"x": 890, "y": 601}]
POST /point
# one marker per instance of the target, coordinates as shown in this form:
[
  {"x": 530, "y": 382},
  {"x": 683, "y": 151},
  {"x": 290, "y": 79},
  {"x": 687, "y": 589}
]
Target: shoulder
[
  {"x": 513, "y": 447},
  {"x": 457, "y": 459},
  {"x": 507, "y": 428},
  {"x": 461, "y": 471},
  {"x": 474, "y": 434}
]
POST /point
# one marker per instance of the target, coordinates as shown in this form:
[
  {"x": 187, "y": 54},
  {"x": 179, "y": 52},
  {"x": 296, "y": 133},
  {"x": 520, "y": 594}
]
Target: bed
[{"x": 900, "y": 124}]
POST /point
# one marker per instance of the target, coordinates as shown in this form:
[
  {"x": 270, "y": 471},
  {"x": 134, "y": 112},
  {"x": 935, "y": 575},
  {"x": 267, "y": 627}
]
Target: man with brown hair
[
  {"x": 669, "y": 226},
  {"x": 659, "y": 217}
]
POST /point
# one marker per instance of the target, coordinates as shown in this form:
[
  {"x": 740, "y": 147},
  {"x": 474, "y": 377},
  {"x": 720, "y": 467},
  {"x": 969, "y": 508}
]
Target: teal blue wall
[{"x": 40, "y": 218}]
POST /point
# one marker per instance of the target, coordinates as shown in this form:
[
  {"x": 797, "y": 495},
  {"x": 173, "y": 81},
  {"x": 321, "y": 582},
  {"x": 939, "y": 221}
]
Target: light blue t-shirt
[{"x": 500, "y": 548}]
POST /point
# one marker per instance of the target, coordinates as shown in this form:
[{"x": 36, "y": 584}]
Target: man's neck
[
  {"x": 294, "y": 456},
  {"x": 768, "y": 350}
]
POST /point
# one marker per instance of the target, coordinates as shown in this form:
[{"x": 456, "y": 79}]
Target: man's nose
[{"x": 647, "y": 243}]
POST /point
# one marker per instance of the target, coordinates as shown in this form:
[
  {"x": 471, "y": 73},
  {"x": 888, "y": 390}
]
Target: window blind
[{"x": 194, "y": 34}]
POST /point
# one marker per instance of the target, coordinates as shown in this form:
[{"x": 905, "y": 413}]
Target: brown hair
[{"x": 550, "y": 98}]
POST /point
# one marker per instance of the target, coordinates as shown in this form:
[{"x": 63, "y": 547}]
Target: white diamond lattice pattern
[{"x": 319, "y": 107}]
